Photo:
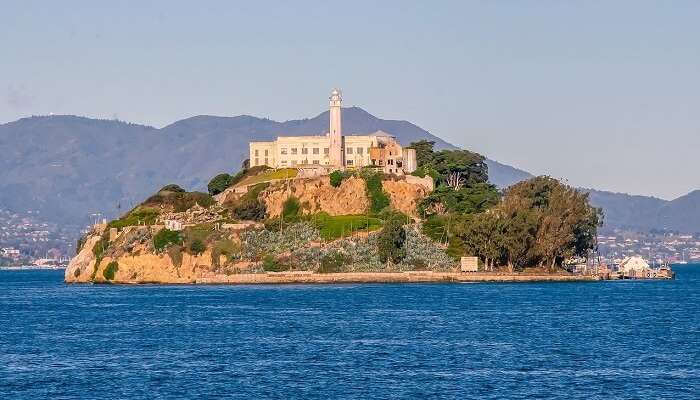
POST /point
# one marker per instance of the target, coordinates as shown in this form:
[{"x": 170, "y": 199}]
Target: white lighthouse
[{"x": 335, "y": 133}]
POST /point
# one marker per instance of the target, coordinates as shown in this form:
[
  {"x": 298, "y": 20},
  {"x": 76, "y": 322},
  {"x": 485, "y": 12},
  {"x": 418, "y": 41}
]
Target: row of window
[
  {"x": 305, "y": 150},
  {"x": 315, "y": 150}
]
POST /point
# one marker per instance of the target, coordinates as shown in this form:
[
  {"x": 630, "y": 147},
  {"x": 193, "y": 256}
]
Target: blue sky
[{"x": 603, "y": 93}]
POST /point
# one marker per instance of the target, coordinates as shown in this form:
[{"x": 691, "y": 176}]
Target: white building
[
  {"x": 10, "y": 252},
  {"x": 335, "y": 150},
  {"x": 633, "y": 265}
]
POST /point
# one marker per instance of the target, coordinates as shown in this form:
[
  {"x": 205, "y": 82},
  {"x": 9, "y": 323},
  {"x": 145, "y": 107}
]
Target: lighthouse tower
[{"x": 336, "y": 130}]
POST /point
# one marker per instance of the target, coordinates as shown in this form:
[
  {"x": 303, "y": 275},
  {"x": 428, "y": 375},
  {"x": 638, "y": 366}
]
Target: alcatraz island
[{"x": 346, "y": 208}]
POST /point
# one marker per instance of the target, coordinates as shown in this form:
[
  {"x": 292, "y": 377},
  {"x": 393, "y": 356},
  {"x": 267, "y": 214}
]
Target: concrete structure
[
  {"x": 469, "y": 264},
  {"x": 335, "y": 150}
]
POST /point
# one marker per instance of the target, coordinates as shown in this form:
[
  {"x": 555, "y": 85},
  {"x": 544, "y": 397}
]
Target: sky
[{"x": 603, "y": 94}]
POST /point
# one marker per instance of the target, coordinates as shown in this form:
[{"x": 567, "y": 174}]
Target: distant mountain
[
  {"x": 643, "y": 213},
  {"x": 68, "y": 167}
]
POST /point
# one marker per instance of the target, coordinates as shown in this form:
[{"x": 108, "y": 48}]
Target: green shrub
[
  {"x": 138, "y": 216},
  {"x": 270, "y": 264},
  {"x": 334, "y": 227},
  {"x": 225, "y": 247},
  {"x": 337, "y": 178},
  {"x": 250, "y": 207},
  {"x": 219, "y": 183},
  {"x": 332, "y": 262},
  {"x": 165, "y": 238},
  {"x": 172, "y": 188},
  {"x": 250, "y": 210},
  {"x": 290, "y": 208},
  {"x": 391, "y": 241},
  {"x": 197, "y": 247},
  {"x": 110, "y": 270},
  {"x": 378, "y": 198}
]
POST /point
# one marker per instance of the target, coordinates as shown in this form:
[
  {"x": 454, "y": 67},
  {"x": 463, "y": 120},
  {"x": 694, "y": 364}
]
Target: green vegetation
[
  {"x": 98, "y": 250},
  {"x": 378, "y": 198},
  {"x": 391, "y": 240},
  {"x": 110, "y": 270},
  {"x": 197, "y": 247},
  {"x": 225, "y": 247},
  {"x": 268, "y": 175},
  {"x": 337, "y": 177},
  {"x": 539, "y": 222},
  {"x": 165, "y": 238},
  {"x": 249, "y": 207},
  {"x": 177, "y": 198},
  {"x": 271, "y": 264},
  {"x": 333, "y": 262},
  {"x": 461, "y": 181},
  {"x": 291, "y": 208},
  {"x": 219, "y": 183},
  {"x": 138, "y": 216},
  {"x": 334, "y": 227}
]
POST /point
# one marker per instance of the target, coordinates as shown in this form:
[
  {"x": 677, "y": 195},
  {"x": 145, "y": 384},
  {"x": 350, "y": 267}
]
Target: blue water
[{"x": 636, "y": 340}]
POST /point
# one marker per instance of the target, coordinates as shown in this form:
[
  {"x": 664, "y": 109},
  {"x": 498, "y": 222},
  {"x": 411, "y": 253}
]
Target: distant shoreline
[{"x": 31, "y": 268}]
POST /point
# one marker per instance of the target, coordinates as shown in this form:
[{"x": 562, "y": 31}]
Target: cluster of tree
[
  {"x": 461, "y": 180},
  {"x": 540, "y": 221}
]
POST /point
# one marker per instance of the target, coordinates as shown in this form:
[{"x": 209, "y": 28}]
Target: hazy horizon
[{"x": 599, "y": 94}]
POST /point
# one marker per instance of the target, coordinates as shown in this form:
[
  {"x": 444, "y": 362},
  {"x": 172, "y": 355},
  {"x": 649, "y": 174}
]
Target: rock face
[
  {"x": 350, "y": 198},
  {"x": 405, "y": 196},
  {"x": 138, "y": 267},
  {"x": 81, "y": 266},
  {"x": 318, "y": 195}
]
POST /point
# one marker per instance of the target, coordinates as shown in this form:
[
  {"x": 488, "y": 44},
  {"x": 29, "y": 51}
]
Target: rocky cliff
[
  {"x": 183, "y": 237},
  {"x": 350, "y": 198}
]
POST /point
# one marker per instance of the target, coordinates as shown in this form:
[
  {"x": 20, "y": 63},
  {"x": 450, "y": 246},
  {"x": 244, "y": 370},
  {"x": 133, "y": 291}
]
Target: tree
[
  {"x": 424, "y": 151},
  {"x": 197, "y": 247},
  {"x": 336, "y": 178},
  {"x": 391, "y": 241},
  {"x": 219, "y": 183}
]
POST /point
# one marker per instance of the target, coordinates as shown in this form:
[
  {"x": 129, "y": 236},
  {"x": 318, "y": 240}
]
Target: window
[
  {"x": 359, "y": 150},
  {"x": 283, "y": 151},
  {"x": 284, "y": 162},
  {"x": 374, "y": 162},
  {"x": 381, "y": 163},
  {"x": 266, "y": 159},
  {"x": 348, "y": 150},
  {"x": 257, "y": 152},
  {"x": 390, "y": 153},
  {"x": 294, "y": 150},
  {"x": 257, "y": 161},
  {"x": 390, "y": 162},
  {"x": 316, "y": 162},
  {"x": 294, "y": 162},
  {"x": 315, "y": 150},
  {"x": 304, "y": 151},
  {"x": 349, "y": 162},
  {"x": 266, "y": 155},
  {"x": 326, "y": 150}
]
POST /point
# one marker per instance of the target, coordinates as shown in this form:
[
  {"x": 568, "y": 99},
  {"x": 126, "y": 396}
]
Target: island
[{"x": 336, "y": 208}]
